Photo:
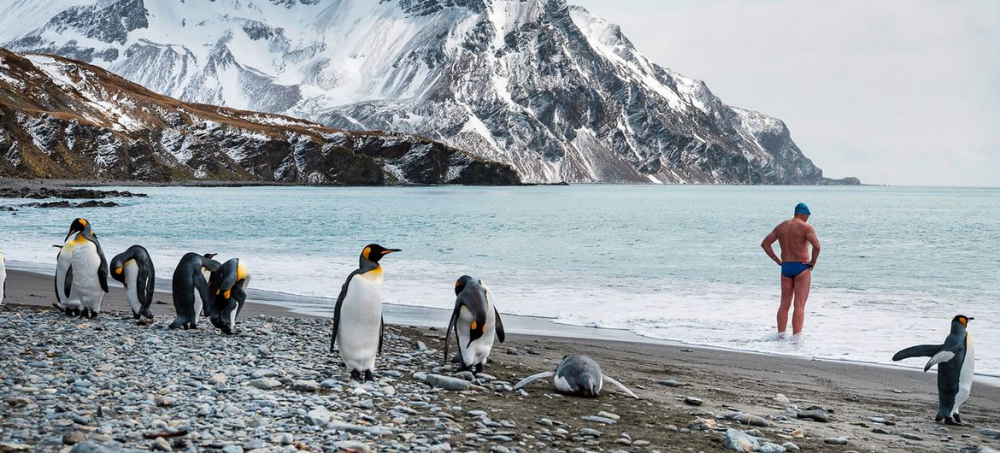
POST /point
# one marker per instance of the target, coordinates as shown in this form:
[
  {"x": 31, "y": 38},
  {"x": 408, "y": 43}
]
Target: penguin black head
[
  {"x": 962, "y": 319},
  {"x": 78, "y": 225},
  {"x": 375, "y": 252},
  {"x": 117, "y": 268},
  {"x": 460, "y": 284}
]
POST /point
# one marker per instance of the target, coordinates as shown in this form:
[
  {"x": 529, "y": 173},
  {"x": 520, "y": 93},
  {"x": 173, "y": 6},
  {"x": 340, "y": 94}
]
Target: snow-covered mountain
[
  {"x": 61, "y": 118},
  {"x": 554, "y": 91}
]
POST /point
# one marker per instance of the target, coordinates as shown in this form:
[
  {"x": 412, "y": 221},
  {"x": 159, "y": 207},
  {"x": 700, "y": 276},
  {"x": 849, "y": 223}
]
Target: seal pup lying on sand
[{"x": 577, "y": 375}]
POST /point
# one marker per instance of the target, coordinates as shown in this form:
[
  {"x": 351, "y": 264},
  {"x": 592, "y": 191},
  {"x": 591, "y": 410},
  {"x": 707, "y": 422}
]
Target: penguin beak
[{"x": 388, "y": 251}]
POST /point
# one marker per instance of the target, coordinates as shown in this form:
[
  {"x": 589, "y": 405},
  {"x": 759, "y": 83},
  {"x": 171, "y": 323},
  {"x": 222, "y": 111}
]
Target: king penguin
[
  {"x": 956, "y": 367},
  {"x": 189, "y": 287},
  {"x": 134, "y": 269},
  {"x": 81, "y": 272},
  {"x": 227, "y": 292},
  {"x": 357, "y": 318},
  {"x": 476, "y": 323}
]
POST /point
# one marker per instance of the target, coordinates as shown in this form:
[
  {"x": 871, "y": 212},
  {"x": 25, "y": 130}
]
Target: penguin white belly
[
  {"x": 479, "y": 350},
  {"x": 198, "y": 303},
  {"x": 562, "y": 384},
  {"x": 63, "y": 261},
  {"x": 86, "y": 289},
  {"x": 360, "y": 322},
  {"x": 131, "y": 271},
  {"x": 967, "y": 373},
  {"x": 243, "y": 285}
]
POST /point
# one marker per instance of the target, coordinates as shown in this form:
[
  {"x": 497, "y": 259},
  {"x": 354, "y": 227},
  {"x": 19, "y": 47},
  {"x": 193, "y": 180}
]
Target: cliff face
[
  {"x": 549, "y": 89},
  {"x": 60, "y": 118}
]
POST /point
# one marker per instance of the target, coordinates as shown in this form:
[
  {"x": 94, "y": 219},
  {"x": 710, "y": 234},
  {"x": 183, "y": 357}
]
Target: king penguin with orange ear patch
[
  {"x": 357, "y": 319},
  {"x": 81, "y": 272},
  {"x": 956, "y": 360},
  {"x": 476, "y": 323}
]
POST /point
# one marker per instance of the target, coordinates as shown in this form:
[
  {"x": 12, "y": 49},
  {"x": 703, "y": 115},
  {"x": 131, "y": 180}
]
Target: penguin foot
[
  {"x": 479, "y": 368},
  {"x": 958, "y": 418},
  {"x": 369, "y": 376},
  {"x": 952, "y": 422},
  {"x": 356, "y": 376}
]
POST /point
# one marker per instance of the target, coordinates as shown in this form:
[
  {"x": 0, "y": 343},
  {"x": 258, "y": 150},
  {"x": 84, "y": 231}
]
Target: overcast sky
[{"x": 903, "y": 92}]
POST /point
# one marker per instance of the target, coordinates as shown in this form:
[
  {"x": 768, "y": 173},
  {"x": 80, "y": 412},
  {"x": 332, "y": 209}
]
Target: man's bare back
[{"x": 797, "y": 262}]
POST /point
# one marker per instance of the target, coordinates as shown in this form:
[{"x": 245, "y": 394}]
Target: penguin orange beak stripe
[
  {"x": 118, "y": 270},
  {"x": 388, "y": 251}
]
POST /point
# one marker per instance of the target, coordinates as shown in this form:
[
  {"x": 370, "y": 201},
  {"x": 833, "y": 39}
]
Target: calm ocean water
[{"x": 677, "y": 262}]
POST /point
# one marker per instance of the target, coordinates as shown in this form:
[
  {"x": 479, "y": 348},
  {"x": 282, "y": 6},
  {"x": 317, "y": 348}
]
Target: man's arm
[
  {"x": 811, "y": 237},
  {"x": 767, "y": 243}
]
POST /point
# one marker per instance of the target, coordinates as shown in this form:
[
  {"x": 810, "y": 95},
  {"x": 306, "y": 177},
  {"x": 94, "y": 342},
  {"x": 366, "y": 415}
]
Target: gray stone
[
  {"x": 349, "y": 445},
  {"x": 990, "y": 433},
  {"x": 318, "y": 417},
  {"x": 265, "y": 383},
  {"x": 93, "y": 447},
  {"x": 161, "y": 444},
  {"x": 790, "y": 446},
  {"x": 816, "y": 415},
  {"x": 747, "y": 419},
  {"x": 836, "y": 440},
  {"x": 768, "y": 447},
  {"x": 693, "y": 401},
  {"x": 306, "y": 386}
]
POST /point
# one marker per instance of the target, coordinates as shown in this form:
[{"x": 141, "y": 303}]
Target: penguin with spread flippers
[
  {"x": 476, "y": 323},
  {"x": 955, "y": 359},
  {"x": 227, "y": 293},
  {"x": 357, "y": 318},
  {"x": 81, "y": 272},
  {"x": 134, "y": 269},
  {"x": 577, "y": 375},
  {"x": 189, "y": 280}
]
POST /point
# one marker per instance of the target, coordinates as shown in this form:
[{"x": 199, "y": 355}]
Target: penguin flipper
[
  {"x": 533, "y": 378},
  {"x": 500, "y": 334},
  {"x": 447, "y": 332},
  {"x": 68, "y": 281},
  {"x": 150, "y": 286},
  {"x": 102, "y": 272},
  {"x": 201, "y": 286},
  {"x": 140, "y": 287},
  {"x": 924, "y": 350},
  {"x": 619, "y": 385},
  {"x": 336, "y": 310},
  {"x": 381, "y": 334},
  {"x": 941, "y": 357}
]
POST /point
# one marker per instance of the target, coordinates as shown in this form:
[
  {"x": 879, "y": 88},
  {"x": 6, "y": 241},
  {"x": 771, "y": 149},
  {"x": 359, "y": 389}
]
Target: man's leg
[
  {"x": 801, "y": 290},
  {"x": 787, "y": 286}
]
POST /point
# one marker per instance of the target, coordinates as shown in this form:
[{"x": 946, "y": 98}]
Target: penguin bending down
[
  {"x": 203, "y": 312},
  {"x": 81, "y": 272},
  {"x": 227, "y": 294},
  {"x": 134, "y": 269},
  {"x": 3, "y": 278},
  {"x": 189, "y": 281},
  {"x": 577, "y": 375},
  {"x": 357, "y": 319},
  {"x": 476, "y": 323},
  {"x": 955, "y": 359}
]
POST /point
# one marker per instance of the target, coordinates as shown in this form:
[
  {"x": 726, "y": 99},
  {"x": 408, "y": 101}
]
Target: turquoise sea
[{"x": 670, "y": 262}]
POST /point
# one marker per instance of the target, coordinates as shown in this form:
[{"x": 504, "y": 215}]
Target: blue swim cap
[{"x": 802, "y": 208}]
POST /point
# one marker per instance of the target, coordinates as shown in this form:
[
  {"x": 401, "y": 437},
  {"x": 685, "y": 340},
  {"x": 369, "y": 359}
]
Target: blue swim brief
[{"x": 792, "y": 269}]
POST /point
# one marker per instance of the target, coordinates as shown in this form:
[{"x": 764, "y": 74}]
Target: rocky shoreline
[
  {"x": 72, "y": 384},
  {"x": 41, "y": 190}
]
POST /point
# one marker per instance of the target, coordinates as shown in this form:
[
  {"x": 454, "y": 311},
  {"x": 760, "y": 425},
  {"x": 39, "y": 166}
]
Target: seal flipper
[
  {"x": 619, "y": 385},
  {"x": 68, "y": 283},
  {"x": 534, "y": 378},
  {"x": 924, "y": 350},
  {"x": 500, "y": 334}
]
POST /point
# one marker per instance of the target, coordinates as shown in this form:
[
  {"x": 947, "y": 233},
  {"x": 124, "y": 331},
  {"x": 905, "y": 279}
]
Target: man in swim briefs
[{"x": 794, "y": 236}]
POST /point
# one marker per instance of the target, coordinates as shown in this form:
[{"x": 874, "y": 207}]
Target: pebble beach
[{"x": 110, "y": 385}]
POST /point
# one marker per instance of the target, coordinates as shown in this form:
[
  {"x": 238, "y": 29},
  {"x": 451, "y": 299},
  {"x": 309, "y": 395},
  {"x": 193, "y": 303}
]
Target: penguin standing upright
[
  {"x": 357, "y": 319},
  {"x": 134, "y": 269},
  {"x": 227, "y": 294},
  {"x": 3, "y": 278},
  {"x": 956, "y": 367},
  {"x": 81, "y": 272},
  {"x": 189, "y": 279},
  {"x": 476, "y": 323}
]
